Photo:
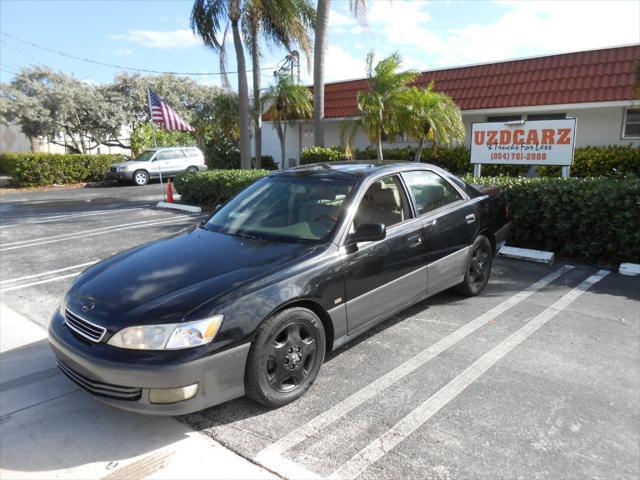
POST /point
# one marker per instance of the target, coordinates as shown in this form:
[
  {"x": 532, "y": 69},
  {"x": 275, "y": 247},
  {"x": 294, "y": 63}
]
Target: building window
[
  {"x": 547, "y": 116},
  {"x": 631, "y": 123},
  {"x": 504, "y": 118}
]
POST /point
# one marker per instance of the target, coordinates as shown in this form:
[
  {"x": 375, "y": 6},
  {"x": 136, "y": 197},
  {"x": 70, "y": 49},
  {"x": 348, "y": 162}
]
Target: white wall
[
  {"x": 13, "y": 140},
  {"x": 595, "y": 126}
]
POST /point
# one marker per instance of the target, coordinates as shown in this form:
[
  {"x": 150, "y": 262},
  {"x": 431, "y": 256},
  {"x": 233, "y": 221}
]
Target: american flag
[{"x": 163, "y": 114}]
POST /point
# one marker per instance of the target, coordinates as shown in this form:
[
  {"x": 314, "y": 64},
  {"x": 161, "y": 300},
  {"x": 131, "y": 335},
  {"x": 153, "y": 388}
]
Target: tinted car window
[
  {"x": 166, "y": 155},
  {"x": 286, "y": 208},
  {"x": 384, "y": 202},
  {"x": 430, "y": 190}
]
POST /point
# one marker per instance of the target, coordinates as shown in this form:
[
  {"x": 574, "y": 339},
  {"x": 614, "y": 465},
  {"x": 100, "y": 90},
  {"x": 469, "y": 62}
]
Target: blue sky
[{"x": 154, "y": 34}]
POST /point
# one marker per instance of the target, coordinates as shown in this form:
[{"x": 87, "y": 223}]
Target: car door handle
[
  {"x": 415, "y": 240},
  {"x": 470, "y": 218}
]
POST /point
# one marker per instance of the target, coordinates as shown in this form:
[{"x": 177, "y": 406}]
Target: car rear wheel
[
  {"x": 478, "y": 268},
  {"x": 192, "y": 169},
  {"x": 140, "y": 178},
  {"x": 285, "y": 357}
]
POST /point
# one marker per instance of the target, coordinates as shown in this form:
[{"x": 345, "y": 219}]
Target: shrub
[
  {"x": 321, "y": 154},
  {"x": 213, "y": 187},
  {"x": 588, "y": 161},
  {"x": 30, "y": 169},
  {"x": 600, "y": 162},
  {"x": 588, "y": 218}
]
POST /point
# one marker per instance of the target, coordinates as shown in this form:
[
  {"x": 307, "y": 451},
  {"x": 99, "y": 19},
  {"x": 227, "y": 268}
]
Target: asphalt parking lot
[{"x": 539, "y": 377}]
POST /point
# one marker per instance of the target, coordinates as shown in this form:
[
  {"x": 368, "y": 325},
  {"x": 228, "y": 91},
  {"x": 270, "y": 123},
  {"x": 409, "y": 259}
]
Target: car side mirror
[{"x": 369, "y": 232}]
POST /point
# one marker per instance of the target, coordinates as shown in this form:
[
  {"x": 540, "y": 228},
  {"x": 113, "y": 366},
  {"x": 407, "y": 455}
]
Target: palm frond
[{"x": 206, "y": 18}]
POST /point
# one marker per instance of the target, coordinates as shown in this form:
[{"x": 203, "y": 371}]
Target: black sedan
[{"x": 294, "y": 266}]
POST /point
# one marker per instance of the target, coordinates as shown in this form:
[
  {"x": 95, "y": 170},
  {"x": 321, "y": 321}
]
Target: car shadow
[{"x": 51, "y": 425}]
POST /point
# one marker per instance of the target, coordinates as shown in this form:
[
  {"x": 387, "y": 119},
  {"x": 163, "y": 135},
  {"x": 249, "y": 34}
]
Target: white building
[
  {"x": 597, "y": 87},
  {"x": 13, "y": 140}
]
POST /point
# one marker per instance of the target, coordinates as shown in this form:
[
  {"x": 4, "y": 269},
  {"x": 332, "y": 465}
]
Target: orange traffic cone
[{"x": 169, "y": 191}]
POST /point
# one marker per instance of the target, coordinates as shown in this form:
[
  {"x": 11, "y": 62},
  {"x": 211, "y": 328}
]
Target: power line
[{"x": 121, "y": 67}]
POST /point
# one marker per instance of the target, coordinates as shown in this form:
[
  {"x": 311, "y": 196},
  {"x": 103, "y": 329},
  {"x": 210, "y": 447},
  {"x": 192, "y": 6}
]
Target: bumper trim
[{"x": 98, "y": 388}]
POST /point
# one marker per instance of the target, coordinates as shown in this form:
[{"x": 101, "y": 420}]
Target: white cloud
[
  {"x": 341, "y": 65},
  {"x": 525, "y": 29},
  {"x": 123, "y": 52},
  {"x": 183, "y": 38},
  {"x": 337, "y": 18}
]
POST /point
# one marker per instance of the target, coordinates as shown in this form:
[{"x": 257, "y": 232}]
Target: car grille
[
  {"x": 83, "y": 327},
  {"x": 98, "y": 388}
]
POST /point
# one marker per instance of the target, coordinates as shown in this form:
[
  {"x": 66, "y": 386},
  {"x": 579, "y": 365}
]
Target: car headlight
[
  {"x": 172, "y": 336},
  {"x": 123, "y": 168}
]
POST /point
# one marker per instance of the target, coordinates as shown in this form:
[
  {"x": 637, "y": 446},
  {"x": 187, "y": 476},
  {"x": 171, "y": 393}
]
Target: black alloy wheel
[
  {"x": 291, "y": 357},
  {"x": 285, "y": 357},
  {"x": 478, "y": 269}
]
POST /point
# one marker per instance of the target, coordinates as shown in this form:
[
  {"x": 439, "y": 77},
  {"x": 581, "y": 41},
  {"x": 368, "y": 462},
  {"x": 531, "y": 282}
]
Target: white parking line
[
  {"x": 271, "y": 456},
  {"x": 414, "y": 420},
  {"x": 39, "y": 282},
  {"x": 101, "y": 231},
  {"x": 54, "y": 218},
  {"x": 71, "y": 234},
  {"x": 44, "y": 274}
]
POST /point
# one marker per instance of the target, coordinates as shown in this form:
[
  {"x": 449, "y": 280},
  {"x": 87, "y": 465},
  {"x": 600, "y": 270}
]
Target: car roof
[
  {"x": 155, "y": 149},
  {"x": 360, "y": 168}
]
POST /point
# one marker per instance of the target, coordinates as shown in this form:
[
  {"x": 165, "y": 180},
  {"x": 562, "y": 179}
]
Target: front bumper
[
  {"x": 126, "y": 385},
  {"x": 122, "y": 176}
]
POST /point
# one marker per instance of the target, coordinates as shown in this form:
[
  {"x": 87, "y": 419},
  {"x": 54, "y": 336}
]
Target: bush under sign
[{"x": 540, "y": 142}]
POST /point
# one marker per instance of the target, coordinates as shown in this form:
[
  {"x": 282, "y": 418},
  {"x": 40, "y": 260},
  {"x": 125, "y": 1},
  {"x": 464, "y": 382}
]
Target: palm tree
[
  {"x": 378, "y": 106},
  {"x": 427, "y": 114},
  {"x": 359, "y": 9},
  {"x": 207, "y": 17},
  {"x": 286, "y": 101},
  {"x": 281, "y": 23}
]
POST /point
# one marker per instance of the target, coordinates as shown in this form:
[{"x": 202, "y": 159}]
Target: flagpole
[{"x": 155, "y": 143}]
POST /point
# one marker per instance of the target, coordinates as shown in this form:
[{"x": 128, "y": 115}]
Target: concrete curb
[
  {"x": 179, "y": 206},
  {"x": 538, "y": 256},
  {"x": 629, "y": 269}
]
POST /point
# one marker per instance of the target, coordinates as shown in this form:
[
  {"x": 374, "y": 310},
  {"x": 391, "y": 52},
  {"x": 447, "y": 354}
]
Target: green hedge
[
  {"x": 588, "y": 161},
  {"x": 31, "y": 169},
  {"x": 586, "y": 218},
  {"x": 213, "y": 187}
]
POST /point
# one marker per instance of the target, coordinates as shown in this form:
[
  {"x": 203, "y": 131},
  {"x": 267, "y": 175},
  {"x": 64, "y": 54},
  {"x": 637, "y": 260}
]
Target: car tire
[
  {"x": 478, "y": 267},
  {"x": 285, "y": 357},
  {"x": 192, "y": 169},
  {"x": 140, "y": 178}
]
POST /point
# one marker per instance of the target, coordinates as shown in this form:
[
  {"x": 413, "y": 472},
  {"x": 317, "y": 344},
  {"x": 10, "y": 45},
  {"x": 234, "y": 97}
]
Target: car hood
[{"x": 163, "y": 281}]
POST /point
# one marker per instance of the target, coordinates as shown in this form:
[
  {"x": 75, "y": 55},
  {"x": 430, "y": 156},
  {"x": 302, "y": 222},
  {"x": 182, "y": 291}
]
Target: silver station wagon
[{"x": 158, "y": 161}]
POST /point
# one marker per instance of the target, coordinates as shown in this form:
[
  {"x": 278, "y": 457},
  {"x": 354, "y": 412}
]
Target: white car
[{"x": 154, "y": 162}]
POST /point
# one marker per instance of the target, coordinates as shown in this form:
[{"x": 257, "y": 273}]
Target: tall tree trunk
[
  {"x": 243, "y": 89},
  {"x": 281, "y": 129},
  {"x": 319, "y": 51},
  {"x": 257, "y": 105},
  {"x": 418, "y": 155},
  {"x": 379, "y": 145}
]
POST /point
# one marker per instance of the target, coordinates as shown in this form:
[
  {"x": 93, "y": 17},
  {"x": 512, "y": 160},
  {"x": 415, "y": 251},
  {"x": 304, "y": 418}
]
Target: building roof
[{"x": 580, "y": 77}]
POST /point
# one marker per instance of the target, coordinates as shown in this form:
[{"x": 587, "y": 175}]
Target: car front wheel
[
  {"x": 285, "y": 357},
  {"x": 140, "y": 178},
  {"x": 478, "y": 268}
]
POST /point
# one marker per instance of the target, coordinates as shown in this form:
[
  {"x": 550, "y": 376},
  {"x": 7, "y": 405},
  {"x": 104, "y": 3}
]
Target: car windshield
[
  {"x": 144, "y": 156},
  {"x": 285, "y": 208}
]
